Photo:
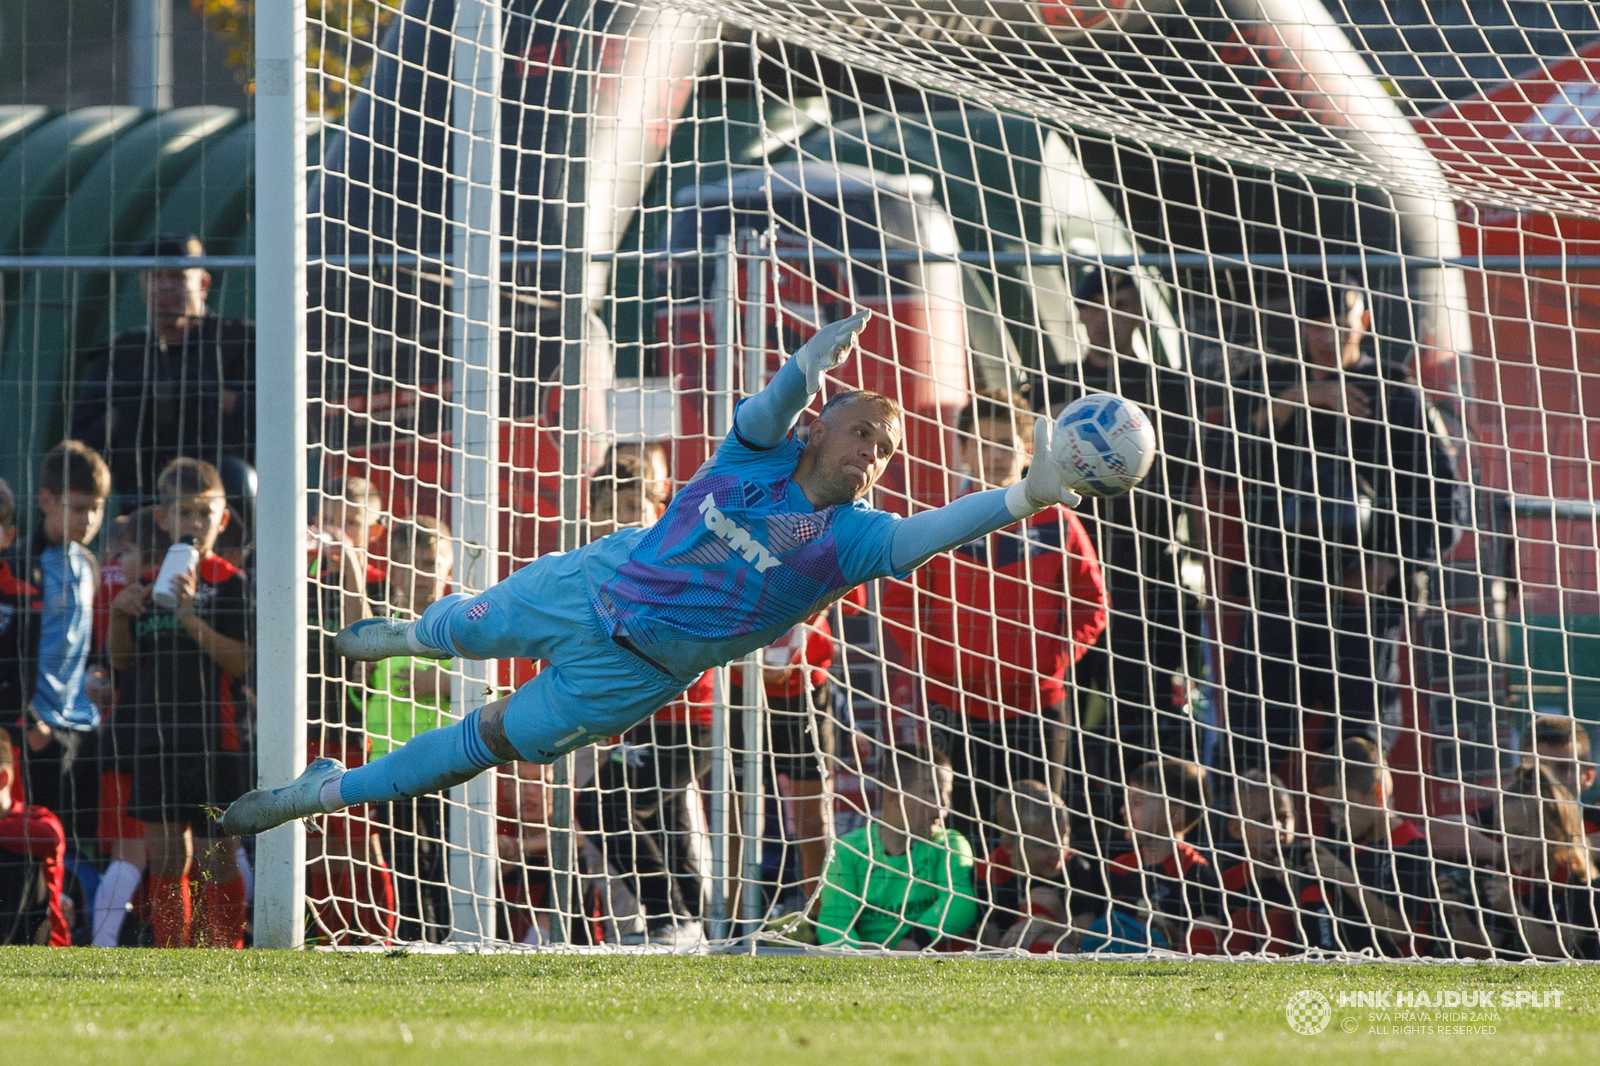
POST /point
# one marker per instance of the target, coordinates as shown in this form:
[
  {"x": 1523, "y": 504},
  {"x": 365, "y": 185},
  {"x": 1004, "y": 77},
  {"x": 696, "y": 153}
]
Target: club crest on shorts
[{"x": 477, "y": 610}]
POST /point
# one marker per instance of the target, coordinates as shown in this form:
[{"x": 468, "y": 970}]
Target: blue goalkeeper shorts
[{"x": 591, "y": 689}]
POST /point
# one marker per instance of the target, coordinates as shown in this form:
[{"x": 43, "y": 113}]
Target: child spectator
[
  {"x": 638, "y": 804},
  {"x": 1562, "y": 744},
  {"x": 904, "y": 882},
  {"x": 49, "y": 582},
  {"x": 1164, "y": 890},
  {"x": 191, "y": 661},
  {"x": 1375, "y": 868},
  {"x": 32, "y": 865},
  {"x": 523, "y": 795},
  {"x": 1545, "y": 905},
  {"x": 342, "y": 575},
  {"x": 1271, "y": 909},
  {"x": 799, "y": 733},
  {"x": 1041, "y": 894},
  {"x": 141, "y": 544},
  {"x": 410, "y": 695}
]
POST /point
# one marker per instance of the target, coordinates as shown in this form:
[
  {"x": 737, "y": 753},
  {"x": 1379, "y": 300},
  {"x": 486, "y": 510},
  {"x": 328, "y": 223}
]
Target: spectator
[
  {"x": 653, "y": 467},
  {"x": 191, "y": 661},
  {"x": 1544, "y": 905},
  {"x": 1143, "y": 661},
  {"x": 904, "y": 882},
  {"x": 641, "y": 779},
  {"x": 1163, "y": 889},
  {"x": 1271, "y": 909},
  {"x": 1041, "y": 894},
  {"x": 141, "y": 545},
  {"x": 996, "y": 624},
  {"x": 1340, "y": 516},
  {"x": 182, "y": 385},
  {"x": 1561, "y": 745},
  {"x": 341, "y": 573},
  {"x": 799, "y": 734},
  {"x": 1375, "y": 870},
  {"x": 407, "y": 696},
  {"x": 523, "y": 795},
  {"x": 49, "y": 582},
  {"x": 32, "y": 865}
]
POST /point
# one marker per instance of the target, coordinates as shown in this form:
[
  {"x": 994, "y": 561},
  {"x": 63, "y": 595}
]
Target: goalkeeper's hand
[
  {"x": 1045, "y": 485},
  {"x": 828, "y": 348}
]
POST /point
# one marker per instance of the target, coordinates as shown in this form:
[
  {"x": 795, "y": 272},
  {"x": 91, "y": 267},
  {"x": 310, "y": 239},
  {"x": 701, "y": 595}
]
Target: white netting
[{"x": 1346, "y": 257}]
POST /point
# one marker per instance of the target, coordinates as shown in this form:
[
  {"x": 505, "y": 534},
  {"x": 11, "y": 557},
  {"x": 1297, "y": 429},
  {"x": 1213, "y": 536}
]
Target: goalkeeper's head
[{"x": 849, "y": 447}]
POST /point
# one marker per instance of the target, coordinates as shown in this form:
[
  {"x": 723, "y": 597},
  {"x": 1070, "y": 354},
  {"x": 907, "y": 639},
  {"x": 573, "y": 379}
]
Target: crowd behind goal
[{"x": 980, "y": 818}]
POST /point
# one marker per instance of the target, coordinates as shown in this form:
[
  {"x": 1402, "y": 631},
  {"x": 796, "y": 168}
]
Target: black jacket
[
  {"x": 143, "y": 402},
  {"x": 21, "y": 602}
]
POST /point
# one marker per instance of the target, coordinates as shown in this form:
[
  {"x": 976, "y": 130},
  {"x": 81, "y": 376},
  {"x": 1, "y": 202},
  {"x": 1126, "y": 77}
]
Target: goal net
[{"x": 1323, "y": 682}]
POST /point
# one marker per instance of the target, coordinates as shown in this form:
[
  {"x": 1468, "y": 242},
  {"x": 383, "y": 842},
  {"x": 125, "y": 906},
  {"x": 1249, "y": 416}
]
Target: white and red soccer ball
[{"x": 1103, "y": 444}]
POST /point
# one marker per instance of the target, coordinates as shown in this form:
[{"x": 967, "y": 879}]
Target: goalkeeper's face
[{"x": 847, "y": 452}]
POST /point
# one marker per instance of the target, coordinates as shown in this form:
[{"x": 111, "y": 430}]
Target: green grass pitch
[{"x": 213, "y": 1008}]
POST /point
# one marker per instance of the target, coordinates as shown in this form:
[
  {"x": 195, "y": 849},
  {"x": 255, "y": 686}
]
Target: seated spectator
[
  {"x": 48, "y": 581},
  {"x": 904, "y": 882},
  {"x": 1374, "y": 869},
  {"x": 1041, "y": 894},
  {"x": 1562, "y": 745},
  {"x": 1545, "y": 904},
  {"x": 190, "y": 759},
  {"x": 409, "y": 695},
  {"x": 1271, "y": 908},
  {"x": 33, "y": 850},
  {"x": 1165, "y": 893},
  {"x": 141, "y": 545}
]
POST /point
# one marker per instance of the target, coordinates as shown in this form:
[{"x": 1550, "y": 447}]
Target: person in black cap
[
  {"x": 1336, "y": 472},
  {"x": 184, "y": 385},
  {"x": 1141, "y": 662}
]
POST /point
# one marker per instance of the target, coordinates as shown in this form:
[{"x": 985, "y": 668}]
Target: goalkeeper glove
[
  {"x": 828, "y": 348},
  {"x": 1046, "y": 483}
]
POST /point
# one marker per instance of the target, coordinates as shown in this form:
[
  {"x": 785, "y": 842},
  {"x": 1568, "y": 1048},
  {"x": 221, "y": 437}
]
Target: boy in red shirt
[
  {"x": 140, "y": 544},
  {"x": 33, "y": 849},
  {"x": 1041, "y": 894},
  {"x": 1272, "y": 909},
  {"x": 1163, "y": 886},
  {"x": 996, "y": 624},
  {"x": 637, "y": 803},
  {"x": 191, "y": 662}
]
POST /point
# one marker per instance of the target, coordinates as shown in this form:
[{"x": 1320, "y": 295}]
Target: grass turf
[{"x": 64, "y": 1006}]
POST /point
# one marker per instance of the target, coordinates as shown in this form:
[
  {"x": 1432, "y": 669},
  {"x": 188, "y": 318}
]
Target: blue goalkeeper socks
[
  {"x": 429, "y": 762},
  {"x": 433, "y": 628}
]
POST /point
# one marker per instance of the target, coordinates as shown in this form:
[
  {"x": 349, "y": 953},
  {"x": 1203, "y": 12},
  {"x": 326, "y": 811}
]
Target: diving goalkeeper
[{"x": 769, "y": 532}]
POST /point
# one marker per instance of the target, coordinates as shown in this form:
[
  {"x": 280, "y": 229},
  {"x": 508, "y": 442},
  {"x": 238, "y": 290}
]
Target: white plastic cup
[{"x": 181, "y": 559}]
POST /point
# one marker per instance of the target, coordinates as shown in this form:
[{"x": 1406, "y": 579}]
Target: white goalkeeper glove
[
  {"x": 828, "y": 348},
  {"x": 1045, "y": 485}
]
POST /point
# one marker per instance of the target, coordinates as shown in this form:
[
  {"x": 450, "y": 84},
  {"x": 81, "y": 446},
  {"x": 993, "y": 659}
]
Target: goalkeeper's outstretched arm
[
  {"x": 922, "y": 536},
  {"x": 767, "y": 417}
]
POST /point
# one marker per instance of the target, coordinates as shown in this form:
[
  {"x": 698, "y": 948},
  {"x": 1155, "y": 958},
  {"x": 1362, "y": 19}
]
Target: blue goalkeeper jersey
[{"x": 739, "y": 557}]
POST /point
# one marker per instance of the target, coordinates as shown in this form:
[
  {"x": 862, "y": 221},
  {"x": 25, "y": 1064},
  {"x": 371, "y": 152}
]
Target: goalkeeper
[{"x": 769, "y": 532}]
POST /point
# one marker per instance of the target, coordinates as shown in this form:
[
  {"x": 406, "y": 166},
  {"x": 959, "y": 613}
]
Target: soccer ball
[{"x": 1103, "y": 444}]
